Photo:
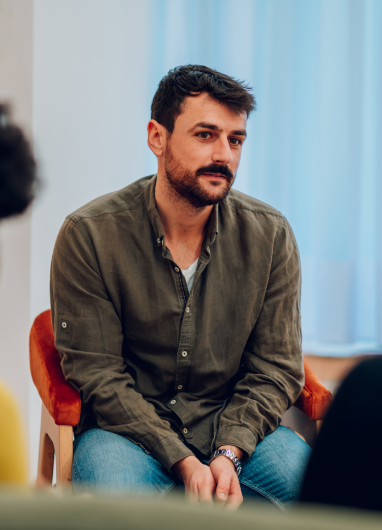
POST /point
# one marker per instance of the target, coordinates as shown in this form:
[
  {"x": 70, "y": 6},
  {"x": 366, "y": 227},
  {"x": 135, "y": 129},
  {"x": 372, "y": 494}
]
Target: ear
[{"x": 156, "y": 137}]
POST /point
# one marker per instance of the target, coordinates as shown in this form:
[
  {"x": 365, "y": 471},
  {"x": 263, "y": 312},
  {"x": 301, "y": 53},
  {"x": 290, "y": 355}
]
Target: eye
[
  {"x": 204, "y": 135},
  {"x": 235, "y": 141}
]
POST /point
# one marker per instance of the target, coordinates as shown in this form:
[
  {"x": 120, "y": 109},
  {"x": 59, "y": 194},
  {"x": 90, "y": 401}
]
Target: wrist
[
  {"x": 184, "y": 466},
  {"x": 238, "y": 452},
  {"x": 225, "y": 452}
]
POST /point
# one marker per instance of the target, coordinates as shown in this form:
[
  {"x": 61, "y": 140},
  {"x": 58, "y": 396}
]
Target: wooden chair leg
[
  {"x": 64, "y": 455},
  {"x": 45, "y": 461},
  {"x": 54, "y": 440}
]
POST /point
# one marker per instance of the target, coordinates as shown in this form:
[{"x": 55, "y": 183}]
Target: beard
[{"x": 186, "y": 184}]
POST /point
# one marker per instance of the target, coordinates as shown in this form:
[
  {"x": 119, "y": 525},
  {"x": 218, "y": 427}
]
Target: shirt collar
[
  {"x": 213, "y": 226},
  {"x": 149, "y": 196}
]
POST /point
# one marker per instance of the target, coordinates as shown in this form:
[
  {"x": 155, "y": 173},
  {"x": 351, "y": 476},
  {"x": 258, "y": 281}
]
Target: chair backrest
[
  {"x": 62, "y": 400},
  {"x": 314, "y": 399}
]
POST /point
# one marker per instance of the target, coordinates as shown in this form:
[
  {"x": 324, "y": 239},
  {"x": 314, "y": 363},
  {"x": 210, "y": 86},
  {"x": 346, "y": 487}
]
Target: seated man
[{"x": 176, "y": 310}]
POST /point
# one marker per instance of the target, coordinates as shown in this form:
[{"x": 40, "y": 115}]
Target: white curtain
[{"x": 315, "y": 143}]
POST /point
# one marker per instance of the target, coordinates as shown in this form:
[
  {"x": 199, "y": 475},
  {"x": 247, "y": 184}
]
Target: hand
[
  {"x": 227, "y": 483},
  {"x": 197, "y": 477}
]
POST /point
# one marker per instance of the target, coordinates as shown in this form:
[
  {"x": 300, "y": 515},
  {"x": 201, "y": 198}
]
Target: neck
[
  {"x": 179, "y": 218},
  {"x": 184, "y": 225}
]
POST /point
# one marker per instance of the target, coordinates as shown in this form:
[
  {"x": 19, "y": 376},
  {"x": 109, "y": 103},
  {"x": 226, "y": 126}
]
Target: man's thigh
[
  {"x": 107, "y": 462},
  {"x": 276, "y": 468}
]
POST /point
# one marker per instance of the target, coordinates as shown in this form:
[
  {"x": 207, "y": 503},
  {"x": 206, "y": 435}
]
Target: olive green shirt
[{"x": 157, "y": 364}]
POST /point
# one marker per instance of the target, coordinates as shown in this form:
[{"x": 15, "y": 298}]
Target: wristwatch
[{"x": 229, "y": 454}]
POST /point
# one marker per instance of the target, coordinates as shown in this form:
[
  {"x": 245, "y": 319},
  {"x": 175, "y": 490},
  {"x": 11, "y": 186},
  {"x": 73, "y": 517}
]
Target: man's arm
[
  {"x": 272, "y": 360},
  {"x": 88, "y": 335}
]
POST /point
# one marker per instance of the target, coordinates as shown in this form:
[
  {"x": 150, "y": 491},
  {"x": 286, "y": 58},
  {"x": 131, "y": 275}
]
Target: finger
[
  {"x": 192, "y": 492},
  {"x": 235, "y": 497},
  {"x": 223, "y": 486},
  {"x": 192, "y": 496},
  {"x": 205, "y": 493},
  {"x": 234, "y": 501}
]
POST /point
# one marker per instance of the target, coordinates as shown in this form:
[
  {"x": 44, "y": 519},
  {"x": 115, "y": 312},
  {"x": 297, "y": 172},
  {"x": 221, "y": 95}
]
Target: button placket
[
  {"x": 187, "y": 331},
  {"x": 185, "y": 336},
  {"x": 183, "y": 367}
]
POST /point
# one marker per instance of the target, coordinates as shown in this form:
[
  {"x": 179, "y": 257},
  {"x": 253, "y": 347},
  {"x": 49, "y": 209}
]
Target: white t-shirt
[{"x": 189, "y": 274}]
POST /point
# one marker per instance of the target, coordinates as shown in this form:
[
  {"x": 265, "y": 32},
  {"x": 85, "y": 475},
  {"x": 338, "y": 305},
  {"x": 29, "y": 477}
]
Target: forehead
[{"x": 204, "y": 108}]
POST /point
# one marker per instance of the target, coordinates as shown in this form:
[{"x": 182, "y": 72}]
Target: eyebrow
[{"x": 212, "y": 127}]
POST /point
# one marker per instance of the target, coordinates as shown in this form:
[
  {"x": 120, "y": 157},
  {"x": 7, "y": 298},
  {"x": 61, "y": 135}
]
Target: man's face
[{"x": 203, "y": 153}]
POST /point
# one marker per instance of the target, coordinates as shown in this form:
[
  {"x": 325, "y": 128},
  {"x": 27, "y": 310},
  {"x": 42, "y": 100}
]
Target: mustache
[{"x": 216, "y": 168}]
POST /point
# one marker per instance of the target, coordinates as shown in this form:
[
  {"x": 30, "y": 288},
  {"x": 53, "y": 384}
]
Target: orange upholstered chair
[{"x": 61, "y": 404}]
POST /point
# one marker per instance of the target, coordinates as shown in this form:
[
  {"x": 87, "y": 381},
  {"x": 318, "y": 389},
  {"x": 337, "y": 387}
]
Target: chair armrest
[
  {"x": 62, "y": 400},
  {"x": 314, "y": 399}
]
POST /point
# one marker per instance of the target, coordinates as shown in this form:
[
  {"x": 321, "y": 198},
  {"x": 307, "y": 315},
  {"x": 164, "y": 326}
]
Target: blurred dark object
[
  {"x": 346, "y": 464},
  {"x": 18, "y": 171}
]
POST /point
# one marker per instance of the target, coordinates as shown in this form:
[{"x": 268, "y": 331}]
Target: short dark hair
[
  {"x": 18, "y": 172},
  {"x": 192, "y": 80}
]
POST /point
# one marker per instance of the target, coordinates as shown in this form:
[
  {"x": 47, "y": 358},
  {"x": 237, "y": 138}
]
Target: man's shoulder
[
  {"x": 258, "y": 217},
  {"x": 244, "y": 203},
  {"x": 127, "y": 199}
]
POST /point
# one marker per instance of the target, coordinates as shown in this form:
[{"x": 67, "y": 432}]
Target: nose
[{"x": 222, "y": 153}]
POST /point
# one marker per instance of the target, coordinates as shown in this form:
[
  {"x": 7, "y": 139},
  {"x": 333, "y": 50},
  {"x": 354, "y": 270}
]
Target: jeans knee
[
  {"x": 111, "y": 463},
  {"x": 277, "y": 467}
]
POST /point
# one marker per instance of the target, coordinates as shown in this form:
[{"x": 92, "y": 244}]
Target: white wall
[
  {"x": 90, "y": 112},
  {"x": 16, "y": 54}
]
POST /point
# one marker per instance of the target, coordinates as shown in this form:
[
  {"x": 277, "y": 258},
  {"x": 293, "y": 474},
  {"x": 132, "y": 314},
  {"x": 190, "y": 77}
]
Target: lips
[{"x": 215, "y": 175}]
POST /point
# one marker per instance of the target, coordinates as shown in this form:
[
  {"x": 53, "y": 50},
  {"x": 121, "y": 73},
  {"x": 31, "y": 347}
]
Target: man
[{"x": 175, "y": 306}]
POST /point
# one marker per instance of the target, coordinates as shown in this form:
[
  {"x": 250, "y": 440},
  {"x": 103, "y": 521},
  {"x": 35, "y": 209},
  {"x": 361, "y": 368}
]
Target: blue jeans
[{"x": 110, "y": 463}]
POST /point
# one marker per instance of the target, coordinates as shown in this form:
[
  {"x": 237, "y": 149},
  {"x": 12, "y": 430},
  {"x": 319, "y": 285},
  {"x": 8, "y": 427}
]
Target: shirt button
[
  {"x": 187, "y": 309},
  {"x": 158, "y": 240},
  {"x": 185, "y": 431},
  {"x": 180, "y": 387},
  {"x": 176, "y": 269},
  {"x": 184, "y": 353},
  {"x": 64, "y": 325},
  {"x": 173, "y": 401}
]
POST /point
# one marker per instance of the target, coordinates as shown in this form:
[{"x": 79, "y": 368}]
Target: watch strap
[{"x": 228, "y": 454}]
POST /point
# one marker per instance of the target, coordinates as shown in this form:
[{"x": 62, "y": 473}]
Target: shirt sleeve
[
  {"x": 89, "y": 337},
  {"x": 272, "y": 365}
]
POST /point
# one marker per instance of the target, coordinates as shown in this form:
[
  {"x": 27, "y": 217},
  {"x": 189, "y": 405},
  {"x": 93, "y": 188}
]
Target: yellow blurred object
[{"x": 13, "y": 460}]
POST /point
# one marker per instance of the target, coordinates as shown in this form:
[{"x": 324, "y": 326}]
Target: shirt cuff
[
  {"x": 169, "y": 451},
  {"x": 238, "y": 436}
]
